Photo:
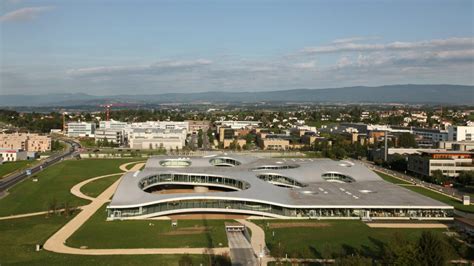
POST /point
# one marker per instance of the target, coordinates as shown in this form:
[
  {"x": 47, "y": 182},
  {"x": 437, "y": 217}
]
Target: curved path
[
  {"x": 76, "y": 189},
  {"x": 124, "y": 168},
  {"x": 57, "y": 242}
]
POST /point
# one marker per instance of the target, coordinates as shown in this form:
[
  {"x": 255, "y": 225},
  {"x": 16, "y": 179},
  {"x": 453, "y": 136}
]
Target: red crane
[{"x": 107, "y": 111}]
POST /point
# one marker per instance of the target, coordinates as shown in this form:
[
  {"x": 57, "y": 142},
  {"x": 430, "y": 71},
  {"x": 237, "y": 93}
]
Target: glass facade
[
  {"x": 192, "y": 179},
  {"x": 269, "y": 209},
  {"x": 224, "y": 161},
  {"x": 280, "y": 180},
  {"x": 337, "y": 177}
]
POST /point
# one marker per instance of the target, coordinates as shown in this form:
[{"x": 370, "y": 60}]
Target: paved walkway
[
  {"x": 57, "y": 242},
  {"x": 124, "y": 168},
  {"x": 76, "y": 189},
  {"x": 17, "y": 216},
  {"x": 257, "y": 240}
]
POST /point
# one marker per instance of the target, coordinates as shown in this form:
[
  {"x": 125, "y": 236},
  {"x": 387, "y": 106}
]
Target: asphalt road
[{"x": 11, "y": 180}]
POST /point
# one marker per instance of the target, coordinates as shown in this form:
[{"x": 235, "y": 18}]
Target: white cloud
[
  {"x": 27, "y": 13},
  {"x": 160, "y": 67},
  {"x": 306, "y": 65},
  {"x": 394, "y": 46},
  {"x": 354, "y": 39}
]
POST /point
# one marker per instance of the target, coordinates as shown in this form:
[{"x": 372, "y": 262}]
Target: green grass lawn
[
  {"x": 9, "y": 167},
  {"x": 429, "y": 193},
  {"x": 99, "y": 233},
  {"x": 18, "y": 238},
  {"x": 340, "y": 237},
  {"x": 54, "y": 184},
  {"x": 450, "y": 201},
  {"x": 94, "y": 188},
  {"x": 391, "y": 179}
]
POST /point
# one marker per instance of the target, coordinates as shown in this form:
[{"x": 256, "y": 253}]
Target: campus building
[
  {"x": 156, "y": 138},
  {"x": 461, "y": 133},
  {"x": 450, "y": 163},
  {"x": 269, "y": 187},
  {"x": 80, "y": 129}
]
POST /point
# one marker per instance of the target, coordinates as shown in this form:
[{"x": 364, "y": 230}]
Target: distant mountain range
[{"x": 409, "y": 93}]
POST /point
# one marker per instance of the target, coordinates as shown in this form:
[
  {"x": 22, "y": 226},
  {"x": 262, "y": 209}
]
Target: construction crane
[{"x": 107, "y": 111}]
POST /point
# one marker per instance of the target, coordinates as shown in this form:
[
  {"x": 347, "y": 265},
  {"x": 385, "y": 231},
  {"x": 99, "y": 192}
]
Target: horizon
[
  {"x": 157, "y": 47},
  {"x": 213, "y": 91}
]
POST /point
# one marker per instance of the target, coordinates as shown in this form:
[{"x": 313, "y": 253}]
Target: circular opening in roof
[
  {"x": 337, "y": 177},
  {"x": 308, "y": 192},
  {"x": 175, "y": 163},
  {"x": 276, "y": 167},
  {"x": 224, "y": 162}
]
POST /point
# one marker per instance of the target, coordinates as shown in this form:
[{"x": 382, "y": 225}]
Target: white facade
[
  {"x": 114, "y": 136},
  {"x": 161, "y": 125},
  {"x": 237, "y": 124},
  {"x": 153, "y": 138},
  {"x": 9, "y": 155},
  {"x": 461, "y": 133},
  {"x": 112, "y": 124},
  {"x": 80, "y": 129}
]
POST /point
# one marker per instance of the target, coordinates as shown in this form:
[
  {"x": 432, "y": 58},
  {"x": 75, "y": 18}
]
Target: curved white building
[{"x": 271, "y": 187}]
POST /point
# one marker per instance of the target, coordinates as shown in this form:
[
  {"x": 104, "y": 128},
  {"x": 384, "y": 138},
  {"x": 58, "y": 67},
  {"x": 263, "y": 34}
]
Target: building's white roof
[{"x": 368, "y": 190}]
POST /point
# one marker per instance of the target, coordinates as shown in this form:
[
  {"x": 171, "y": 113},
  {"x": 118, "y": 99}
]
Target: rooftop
[{"x": 315, "y": 179}]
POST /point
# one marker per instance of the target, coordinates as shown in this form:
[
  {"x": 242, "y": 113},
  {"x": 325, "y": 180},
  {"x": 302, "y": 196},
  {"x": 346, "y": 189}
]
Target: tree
[
  {"x": 437, "y": 177},
  {"x": 432, "y": 250},
  {"x": 407, "y": 140},
  {"x": 466, "y": 178},
  {"x": 399, "y": 251},
  {"x": 353, "y": 261}
]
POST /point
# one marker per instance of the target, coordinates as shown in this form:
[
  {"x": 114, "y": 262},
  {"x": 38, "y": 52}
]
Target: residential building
[
  {"x": 13, "y": 155},
  {"x": 25, "y": 141}
]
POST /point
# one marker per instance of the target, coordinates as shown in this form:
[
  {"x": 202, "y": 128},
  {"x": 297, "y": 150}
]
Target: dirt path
[
  {"x": 406, "y": 225},
  {"x": 57, "y": 242},
  {"x": 17, "y": 216}
]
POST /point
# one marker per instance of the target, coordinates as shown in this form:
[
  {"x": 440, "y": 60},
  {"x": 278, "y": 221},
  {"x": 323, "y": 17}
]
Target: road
[{"x": 12, "y": 180}]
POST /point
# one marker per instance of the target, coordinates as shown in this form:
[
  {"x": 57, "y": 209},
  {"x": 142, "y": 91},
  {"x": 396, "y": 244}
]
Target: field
[
  {"x": 391, "y": 179},
  {"x": 54, "y": 184},
  {"x": 9, "y": 167},
  {"x": 94, "y": 188},
  {"x": 325, "y": 239},
  {"x": 98, "y": 233},
  {"x": 18, "y": 238},
  {"x": 429, "y": 193},
  {"x": 450, "y": 201}
]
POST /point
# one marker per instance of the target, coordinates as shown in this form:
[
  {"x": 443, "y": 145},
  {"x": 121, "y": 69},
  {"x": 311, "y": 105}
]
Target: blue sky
[{"x": 120, "y": 47}]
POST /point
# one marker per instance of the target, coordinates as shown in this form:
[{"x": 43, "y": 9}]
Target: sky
[{"x": 149, "y": 47}]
